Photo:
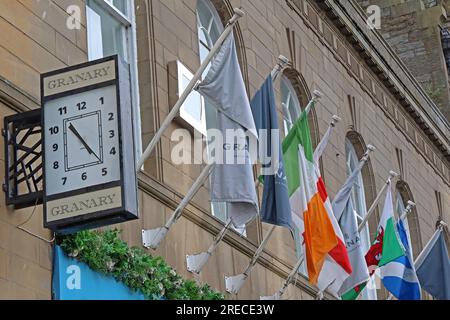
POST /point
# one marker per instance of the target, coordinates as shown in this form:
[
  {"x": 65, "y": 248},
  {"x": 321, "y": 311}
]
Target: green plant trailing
[{"x": 106, "y": 253}]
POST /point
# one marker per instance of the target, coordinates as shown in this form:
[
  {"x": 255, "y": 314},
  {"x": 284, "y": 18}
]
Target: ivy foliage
[{"x": 106, "y": 253}]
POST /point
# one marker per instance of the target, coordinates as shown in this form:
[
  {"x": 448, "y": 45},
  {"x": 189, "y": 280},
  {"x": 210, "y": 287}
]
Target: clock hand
[{"x": 83, "y": 142}]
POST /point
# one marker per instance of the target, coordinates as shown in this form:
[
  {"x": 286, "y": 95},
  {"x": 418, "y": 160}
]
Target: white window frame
[
  {"x": 128, "y": 22},
  {"x": 199, "y": 125},
  {"x": 359, "y": 201}
]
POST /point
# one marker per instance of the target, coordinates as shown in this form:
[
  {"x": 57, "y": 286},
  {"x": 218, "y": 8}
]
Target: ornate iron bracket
[{"x": 23, "y": 159}]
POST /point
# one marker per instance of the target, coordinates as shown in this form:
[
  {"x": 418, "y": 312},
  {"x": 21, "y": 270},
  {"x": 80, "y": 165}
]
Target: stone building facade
[{"x": 332, "y": 50}]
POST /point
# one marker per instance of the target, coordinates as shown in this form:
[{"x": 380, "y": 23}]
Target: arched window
[
  {"x": 359, "y": 205},
  {"x": 411, "y": 223}
]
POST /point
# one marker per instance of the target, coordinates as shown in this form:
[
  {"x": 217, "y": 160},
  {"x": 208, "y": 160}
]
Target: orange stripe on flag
[{"x": 320, "y": 237}]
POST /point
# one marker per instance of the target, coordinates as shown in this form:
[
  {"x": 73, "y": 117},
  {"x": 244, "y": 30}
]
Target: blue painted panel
[{"x": 73, "y": 280}]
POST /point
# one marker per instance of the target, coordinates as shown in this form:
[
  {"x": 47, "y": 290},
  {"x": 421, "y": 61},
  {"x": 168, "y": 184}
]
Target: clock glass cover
[{"x": 81, "y": 140}]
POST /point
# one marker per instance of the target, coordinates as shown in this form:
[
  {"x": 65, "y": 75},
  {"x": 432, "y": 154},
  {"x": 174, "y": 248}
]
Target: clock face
[{"x": 81, "y": 140}]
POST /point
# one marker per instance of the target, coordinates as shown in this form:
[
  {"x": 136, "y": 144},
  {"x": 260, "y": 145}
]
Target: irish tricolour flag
[{"x": 312, "y": 211}]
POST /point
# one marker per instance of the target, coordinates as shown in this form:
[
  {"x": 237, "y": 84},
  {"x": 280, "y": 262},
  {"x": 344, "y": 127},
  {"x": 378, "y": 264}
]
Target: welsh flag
[
  {"x": 386, "y": 248},
  {"x": 312, "y": 211}
]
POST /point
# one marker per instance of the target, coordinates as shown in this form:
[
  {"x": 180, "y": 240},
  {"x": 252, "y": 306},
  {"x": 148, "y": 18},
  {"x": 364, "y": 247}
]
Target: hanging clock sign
[{"x": 89, "y": 164}]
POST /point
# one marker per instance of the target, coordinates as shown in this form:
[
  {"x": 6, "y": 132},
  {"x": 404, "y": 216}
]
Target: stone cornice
[
  {"x": 409, "y": 108},
  {"x": 420, "y": 105},
  {"x": 203, "y": 219}
]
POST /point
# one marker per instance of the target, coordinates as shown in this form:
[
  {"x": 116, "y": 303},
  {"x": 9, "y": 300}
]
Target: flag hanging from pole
[
  {"x": 344, "y": 212},
  {"x": 322, "y": 236},
  {"x": 399, "y": 276},
  {"x": 232, "y": 178},
  {"x": 387, "y": 246},
  {"x": 275, "y": 208},
  {"x": 433, "y": 267}
]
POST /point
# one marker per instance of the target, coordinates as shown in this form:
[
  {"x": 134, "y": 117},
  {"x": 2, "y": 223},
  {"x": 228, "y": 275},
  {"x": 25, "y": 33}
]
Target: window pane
[
  {"x": 104, "y": 28},
  {"x": 121, "y": 5},
  {"x": 204, "y": 14},
  {"x": 220, "y": 210},
  {"x": 291, "y": 104},
  {"x": 203, "y": 54},
  {"x": 191, "y": 104},
  {"x": 214, "y": 34},
  {"x": 95, "y": 40}
]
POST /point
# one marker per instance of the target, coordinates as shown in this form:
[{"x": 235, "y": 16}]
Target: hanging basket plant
[{"x": 106, "y": 253}]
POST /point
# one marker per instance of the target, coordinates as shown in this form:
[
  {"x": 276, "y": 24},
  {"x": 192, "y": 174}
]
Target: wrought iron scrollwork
[{"x": 23, "y": 159}]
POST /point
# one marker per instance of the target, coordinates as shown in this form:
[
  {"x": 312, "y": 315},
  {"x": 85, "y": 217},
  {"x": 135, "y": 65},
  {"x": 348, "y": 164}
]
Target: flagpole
[
  {"x": 408, "y": 210},
  {"x": 152, "y": 238},
  {"x": 234, "y": 284},
  {"x": 238, "y": 13},
  {"x": 282, "y": 64},
  {"x": 371, "y": 210},
  {"x": 324, "y": 142},
  {"x": 287, "y": 282},
  {"x": 316, "y": 96},
  {"x": 195, "y": 263}
]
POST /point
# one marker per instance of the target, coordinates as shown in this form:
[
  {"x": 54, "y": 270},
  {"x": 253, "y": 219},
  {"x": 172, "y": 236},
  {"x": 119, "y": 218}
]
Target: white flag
[
  {"x": 344, "y": 212},
  {"x": 232, "y": 181}
]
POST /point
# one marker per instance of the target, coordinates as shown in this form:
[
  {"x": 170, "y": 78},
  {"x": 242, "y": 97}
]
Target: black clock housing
[{"x": 94, "y": 205}]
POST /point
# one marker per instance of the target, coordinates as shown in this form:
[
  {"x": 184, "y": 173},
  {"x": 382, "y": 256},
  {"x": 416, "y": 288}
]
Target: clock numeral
[
  {"x": 84, "y": 176},
  {"x": 104, "y": 172},
  {"x": 55, "y": 147},
  {"x": 62, "y": 110},
  {"x": 112, "y": 134},
  {"x": 113, "y": 151},
  {"x": 111, "y": 116},
  {"x": 64, "y": 180},
  {"x": 102, "y": 100},
  {"x": 54, "y": 130},
  {"x": 56, "y": 165},
  {"x": 81, "y": 106}
]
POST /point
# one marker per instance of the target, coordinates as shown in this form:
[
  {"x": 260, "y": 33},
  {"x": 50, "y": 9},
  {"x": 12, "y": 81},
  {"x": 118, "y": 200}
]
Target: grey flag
[
  {"x": 344, "y": 212},
  {"x": 232, "y": 179}
]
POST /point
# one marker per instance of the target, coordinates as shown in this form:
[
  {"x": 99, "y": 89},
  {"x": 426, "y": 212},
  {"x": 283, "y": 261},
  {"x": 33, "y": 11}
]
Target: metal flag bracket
[
  {"x": 234, "y": 284},
  {"x": 195, "y": 263}
]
